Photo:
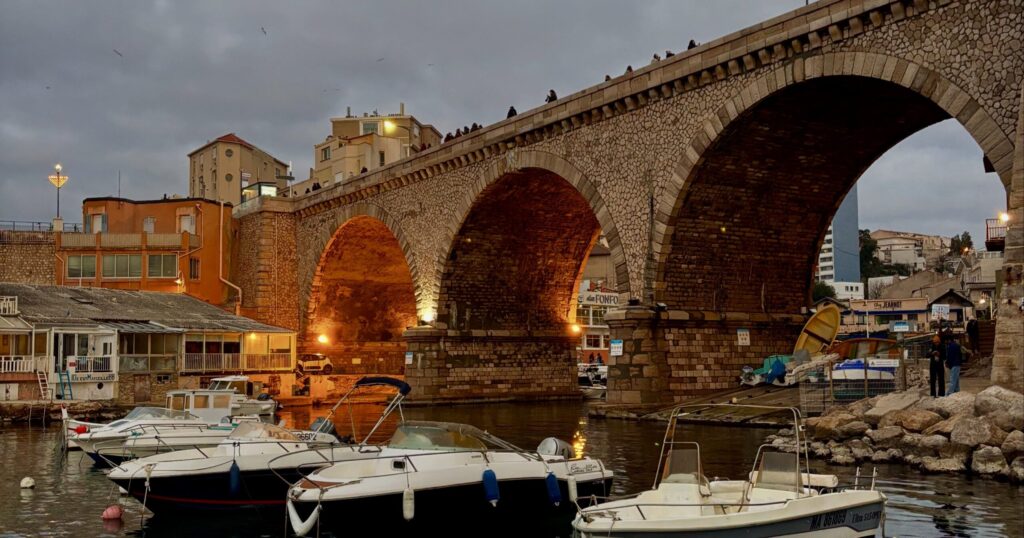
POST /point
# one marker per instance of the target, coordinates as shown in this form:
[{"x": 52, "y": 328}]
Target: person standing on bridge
[
  {"x": 511, "y": 112},
  {"x": 936, "y": 368}
]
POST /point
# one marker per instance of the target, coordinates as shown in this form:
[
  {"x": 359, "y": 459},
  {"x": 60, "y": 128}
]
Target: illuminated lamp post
[{"x": 58, "y": 181}]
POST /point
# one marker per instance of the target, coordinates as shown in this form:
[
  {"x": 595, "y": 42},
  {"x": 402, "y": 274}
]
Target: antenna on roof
[{"x": 119, "y": 183}]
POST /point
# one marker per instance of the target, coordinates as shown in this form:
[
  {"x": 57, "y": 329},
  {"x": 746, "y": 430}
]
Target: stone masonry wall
[
  {"x": 267, "y": 267},
  {"x": 461, "y": 368},
  {"x": 27, "y": 257}
]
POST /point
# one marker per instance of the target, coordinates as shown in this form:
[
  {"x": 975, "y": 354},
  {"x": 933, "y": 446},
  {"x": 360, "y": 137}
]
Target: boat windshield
[
  {"x": 156, "y": 412},
  {"x": 237, "y": 386},
  {"x": 262, "y": 431},
  {"x": 435, "y": 437}
]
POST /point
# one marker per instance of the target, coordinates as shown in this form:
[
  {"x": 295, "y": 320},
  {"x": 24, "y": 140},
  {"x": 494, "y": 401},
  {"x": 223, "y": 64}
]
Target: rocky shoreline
[
  {"x": 962, "y": 433},
  {"x": 48, "y": 412}
]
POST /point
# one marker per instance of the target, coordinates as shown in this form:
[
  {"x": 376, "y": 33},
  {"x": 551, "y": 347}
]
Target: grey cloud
[{"x": 192, "y": 71}]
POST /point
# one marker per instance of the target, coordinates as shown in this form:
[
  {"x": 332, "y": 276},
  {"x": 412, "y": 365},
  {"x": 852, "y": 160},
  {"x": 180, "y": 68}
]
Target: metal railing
[
  {"x": 92, "y": 364},
  {"x": 36, "y": 226},
  {"x": 9, "y": 305},
  {"x": 218, "y": 362},
  {"x": 838, "y": 381},
  {"x": 20, "y": 364}
]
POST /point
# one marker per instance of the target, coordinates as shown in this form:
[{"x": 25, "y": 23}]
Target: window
[
  {"x": 163, "y": 379},
  {"x": 593, "y": 341},
  {"x": 82, "y": 266},
  {"x": 381, "y": 155},
  {"x": 325, "y": 153},
  {"x": 186, "y": 224},
  {"x": 221, "y": 400},
  {"x": 228, "y": 177},
  {"x": 582, "y": 315},
  {"x": 162, "y": 266},
  {"x": 371, "y": 127},
  {"x": 598, "y": 315},
  {"x": 149, "y": 224},
  {"x": 193, "y": 268},
  {"x": 229, "y": 152},
  {"x": 277, "y": 172},
  {"x": 122, "y": 265},
  {"x": 202, "y": 401},
  {"x": 280, "y": 343},
  {"x": 98, "y": 223}
]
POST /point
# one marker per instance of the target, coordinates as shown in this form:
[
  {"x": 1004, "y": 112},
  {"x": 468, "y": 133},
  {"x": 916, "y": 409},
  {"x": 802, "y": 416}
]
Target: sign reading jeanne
[
  {"x": 940, "y": 312},
  {"x": 879, "y": 306}
]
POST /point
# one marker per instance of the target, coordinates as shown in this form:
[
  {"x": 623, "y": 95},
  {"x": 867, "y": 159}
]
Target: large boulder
[
  {"x": 947, "y": 406},
  {"x": 946, "y": 426},
  {"x": 912, "y": 420},
  {"x": 932, "y": 444},
  {"x": 1007, "y": 420},
  {"x": 942, "y": 465},
  {"x": 1016, "y": 470},
  {"x": 976, "y": 431},
  {"x": 996, "y": 398},
  {"x": 989, "y": 460},
  {"x": 1013, "y": 445},
  {"x": 859, "y": 449},
  {"x": 886, "y": 455},
  {"x": 827, "y": 427},
  {"x": 887, "y": 437},
  {"x": 855, "y": 428},
  {"x": 894, "y": 401}
]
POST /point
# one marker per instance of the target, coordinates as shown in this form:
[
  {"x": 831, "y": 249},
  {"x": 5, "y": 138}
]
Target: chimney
[
  {"x": 348, "y": 112},
  {"x": 401, "y": 109}
]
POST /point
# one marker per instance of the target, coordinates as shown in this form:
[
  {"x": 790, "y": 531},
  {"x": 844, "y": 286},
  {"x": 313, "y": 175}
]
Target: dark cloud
[{"x": 274, "y": 72}]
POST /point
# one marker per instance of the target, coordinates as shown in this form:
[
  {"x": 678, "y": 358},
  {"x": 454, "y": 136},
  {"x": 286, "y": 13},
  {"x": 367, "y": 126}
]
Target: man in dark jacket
[
  {"x": 972, "y": 334},
  {"x": 954, "y": 358},
  {"x": 936, "y": 368}
]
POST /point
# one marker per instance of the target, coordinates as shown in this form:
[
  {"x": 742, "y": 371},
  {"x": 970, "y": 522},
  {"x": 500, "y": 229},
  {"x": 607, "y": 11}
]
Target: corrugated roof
[
  {"x": 68, "y": 306},
  {"x": 139, "y": 327},
  {"x": 13, "y": 324}
]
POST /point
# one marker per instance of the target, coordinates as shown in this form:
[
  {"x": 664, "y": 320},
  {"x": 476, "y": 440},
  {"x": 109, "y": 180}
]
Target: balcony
[
  {"x": 86, "y": 365},
  {"x": 995, "y": 235},
  {"x": 235, "y": 362},
  {"x": 8, "y": 305},
  {"x": 127, "y": 240},
  {"x": 22, "y": 364}
]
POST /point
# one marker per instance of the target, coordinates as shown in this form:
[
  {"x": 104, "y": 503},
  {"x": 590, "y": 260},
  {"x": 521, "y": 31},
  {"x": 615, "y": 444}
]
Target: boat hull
[
  {"x": 258, "y": 489},
  {"x": 461, "y": 510},
  {"x": 845, "y": 522}
]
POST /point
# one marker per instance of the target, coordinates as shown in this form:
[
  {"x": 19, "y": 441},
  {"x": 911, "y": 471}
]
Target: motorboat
[
  {"x": 252, "y": 467},
  {"x": 443, "y": 473},
  {"x": 591, "y": 387},
  {"x": 779, "y": 497},
  {"x": 873, "y": 369},
  {"x": 594, "y": 370},
  {"x": 246, "y": 397},
  {"x": 92, "y": 438}
]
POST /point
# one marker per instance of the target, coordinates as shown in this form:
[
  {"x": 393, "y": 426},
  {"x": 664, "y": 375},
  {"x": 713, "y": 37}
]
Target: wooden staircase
[{"x": 45, "y": 392}]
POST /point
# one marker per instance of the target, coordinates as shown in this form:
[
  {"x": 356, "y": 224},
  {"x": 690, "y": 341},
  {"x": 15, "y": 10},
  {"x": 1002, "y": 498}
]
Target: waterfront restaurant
[
  {"x": 129, "y": 346},
  {"x": 872, "y": 316}
]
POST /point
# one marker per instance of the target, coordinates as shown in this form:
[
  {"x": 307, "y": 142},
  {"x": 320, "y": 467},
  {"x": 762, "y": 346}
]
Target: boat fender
[
  {"x": 491, "y": 487},
  {"x": 113, "y": 511},
  {"x": 301, "y": 527},
  {"x": 28, "y": 482},
  {"x": 234, "y": 479},
  {"x": 574, "y": 493},
  {"x": 554, "y": 492},
  {"x": 408, "y": 504}
]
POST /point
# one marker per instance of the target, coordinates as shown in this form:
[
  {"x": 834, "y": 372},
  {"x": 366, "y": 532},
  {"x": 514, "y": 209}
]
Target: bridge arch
[
  {"x": 846, "y": 109},
  {"x": 540, "y": 216},
  {"x": 363, "y": 292}
]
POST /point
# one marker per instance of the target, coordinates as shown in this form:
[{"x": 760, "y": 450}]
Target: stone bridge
[{"x": 713, "y": 175}]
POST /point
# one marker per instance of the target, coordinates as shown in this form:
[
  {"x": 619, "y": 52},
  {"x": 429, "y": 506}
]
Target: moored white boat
[
  {"x": 437, "y": 472},
  {"x": 780, "y": 497},
  {"x": 251, "y": 468}
]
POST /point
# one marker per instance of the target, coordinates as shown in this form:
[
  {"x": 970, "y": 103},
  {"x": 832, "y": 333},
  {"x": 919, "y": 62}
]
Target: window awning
[{"x": 139, "y": 327}]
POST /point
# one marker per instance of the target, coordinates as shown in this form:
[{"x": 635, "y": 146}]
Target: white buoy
[
  {"x": 573, "y": 492},
  {"x": 28, "y": 482},
  {"x": 122, "y": 491},
  {"x": 408, "y": 504}
]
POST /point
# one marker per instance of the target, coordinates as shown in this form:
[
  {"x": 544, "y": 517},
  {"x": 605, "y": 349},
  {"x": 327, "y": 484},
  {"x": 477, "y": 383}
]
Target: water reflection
[{"x": 70, "y": 496}]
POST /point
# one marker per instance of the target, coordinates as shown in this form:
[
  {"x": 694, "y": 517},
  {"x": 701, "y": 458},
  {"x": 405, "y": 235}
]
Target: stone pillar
[
  {"x": 1008, "y": 355},
  {"x": 266, "y": 263},
  {"x": 449, "y": 365},
  {"x": 675, "y": 355}
]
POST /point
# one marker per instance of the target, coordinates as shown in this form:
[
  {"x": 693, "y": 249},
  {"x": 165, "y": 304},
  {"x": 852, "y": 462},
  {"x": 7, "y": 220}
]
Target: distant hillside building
[
  {"x": 221, "y": 168},
  {"x": 918, "y": 251}
]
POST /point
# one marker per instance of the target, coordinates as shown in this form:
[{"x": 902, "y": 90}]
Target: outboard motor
[
  {"x": 555, "y": 447},
  {"x": 323, "y": 425}
]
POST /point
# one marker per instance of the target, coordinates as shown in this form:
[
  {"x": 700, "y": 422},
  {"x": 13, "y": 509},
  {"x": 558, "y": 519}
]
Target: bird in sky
[
  {"x": 117, "y": 52},
  {"x": 264, "y": 30},
  {"x": 380, "y": 59}
]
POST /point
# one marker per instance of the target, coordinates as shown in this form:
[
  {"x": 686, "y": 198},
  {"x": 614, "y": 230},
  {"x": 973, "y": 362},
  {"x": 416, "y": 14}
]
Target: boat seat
[{"x": 683, "y": 466}]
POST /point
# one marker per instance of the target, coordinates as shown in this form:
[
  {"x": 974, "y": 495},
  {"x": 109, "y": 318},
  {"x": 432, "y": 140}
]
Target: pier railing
[{"x": 227, "y": 362}]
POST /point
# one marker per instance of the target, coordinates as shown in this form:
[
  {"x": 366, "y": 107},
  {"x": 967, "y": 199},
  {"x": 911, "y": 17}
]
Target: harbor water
[{"x": 70, "y": 493}]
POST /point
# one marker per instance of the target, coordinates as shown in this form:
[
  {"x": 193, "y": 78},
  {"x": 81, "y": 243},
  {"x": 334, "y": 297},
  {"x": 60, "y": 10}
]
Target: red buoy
[{"x": 81, "y": 428}]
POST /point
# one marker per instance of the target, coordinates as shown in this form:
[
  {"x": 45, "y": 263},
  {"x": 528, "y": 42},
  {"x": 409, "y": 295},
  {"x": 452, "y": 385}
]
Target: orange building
[{"x": 172, "y": 245}]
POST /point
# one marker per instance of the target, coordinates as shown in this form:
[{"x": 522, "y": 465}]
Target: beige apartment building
[
  {"x": 365, "y": 142},
  {"x": 919, "y": 251},
  {"x": 221, "y": 168}
]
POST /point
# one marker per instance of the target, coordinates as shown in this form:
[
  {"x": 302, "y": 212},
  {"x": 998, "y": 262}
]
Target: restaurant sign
[{"x": 598, "y": 298}]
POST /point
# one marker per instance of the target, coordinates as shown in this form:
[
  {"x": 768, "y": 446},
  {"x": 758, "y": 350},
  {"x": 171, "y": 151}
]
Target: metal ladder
[
  {"x": 65, "y": 386},
  {"x": 45, "y": 393}
]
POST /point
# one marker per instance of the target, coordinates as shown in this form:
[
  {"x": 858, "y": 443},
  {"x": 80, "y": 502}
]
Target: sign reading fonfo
[{"x": 599, "y": 298}]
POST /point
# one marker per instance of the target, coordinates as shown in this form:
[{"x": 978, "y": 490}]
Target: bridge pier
[
  {"x": 672, "y": 355},
  {"x": 490, "y": 365}
]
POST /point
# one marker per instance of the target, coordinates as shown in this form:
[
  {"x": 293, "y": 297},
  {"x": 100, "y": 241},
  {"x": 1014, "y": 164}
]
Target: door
[{"x": 141, "y": 388}]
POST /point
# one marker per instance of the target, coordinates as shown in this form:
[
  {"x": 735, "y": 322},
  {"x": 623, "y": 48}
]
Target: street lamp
[
  {"x": 1004, "y": 217},
  {"x": 58, "y": 181}
]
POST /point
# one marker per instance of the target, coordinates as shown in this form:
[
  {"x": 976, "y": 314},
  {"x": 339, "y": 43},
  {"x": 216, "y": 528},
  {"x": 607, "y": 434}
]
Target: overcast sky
[{"x": 134, "y": 86}]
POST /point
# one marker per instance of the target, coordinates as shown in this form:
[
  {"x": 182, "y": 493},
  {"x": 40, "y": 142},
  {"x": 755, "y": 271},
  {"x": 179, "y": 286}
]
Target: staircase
[{"x": 45, "y": 392}]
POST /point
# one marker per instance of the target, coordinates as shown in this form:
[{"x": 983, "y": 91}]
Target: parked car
[{"x": 315, "y": 362}]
